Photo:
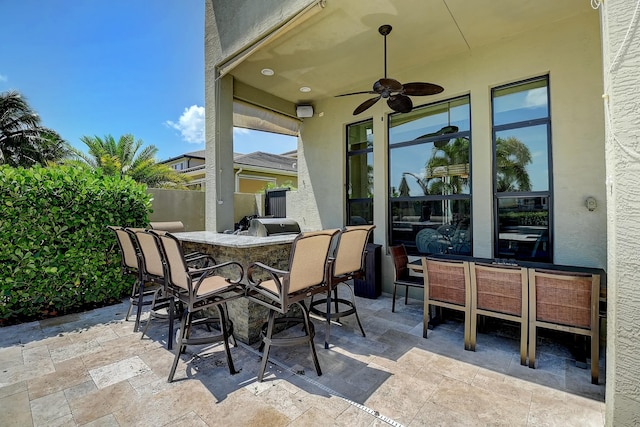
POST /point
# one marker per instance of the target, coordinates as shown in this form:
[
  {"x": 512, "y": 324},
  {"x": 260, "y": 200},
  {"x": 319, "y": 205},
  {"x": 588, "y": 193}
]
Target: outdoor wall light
[
  {"x": 267, "y": 72},
  {"x": 590, "y": 203}
]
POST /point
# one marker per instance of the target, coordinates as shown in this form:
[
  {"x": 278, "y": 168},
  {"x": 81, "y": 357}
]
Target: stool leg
[
  {"x": 140, "y": 304},
  {"x": 225, "y": 336},
  {"x": 327, "y": 332},
  {"x": 183, "y": 334},
  {"x": 309, "y": 330},
  {"x": 266, "y": 341},
  {"x": 393, "y": 301}
]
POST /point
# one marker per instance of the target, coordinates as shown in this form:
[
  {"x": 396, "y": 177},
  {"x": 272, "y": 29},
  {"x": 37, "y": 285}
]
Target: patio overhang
[{"x": 333, "y": 47}]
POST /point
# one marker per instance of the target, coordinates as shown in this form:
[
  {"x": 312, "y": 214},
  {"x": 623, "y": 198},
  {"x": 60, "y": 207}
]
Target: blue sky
[{"x": 94, "y": 68}]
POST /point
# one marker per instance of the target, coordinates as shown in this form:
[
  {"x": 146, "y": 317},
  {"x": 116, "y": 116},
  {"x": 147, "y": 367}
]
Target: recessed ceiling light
[
  {"x": 267, "y": 72},
  {"x": 305, "y": 89}
]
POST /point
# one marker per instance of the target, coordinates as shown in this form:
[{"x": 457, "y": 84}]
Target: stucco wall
[
  {"x": 242, "y": 21},
  {"x": 178, "y": 205},
  {"x": 247, "y": 204},
  {"x": 189, "y": 206},
  {"x": 621, "y": 51},
  {"x": 570, "y": 52}
]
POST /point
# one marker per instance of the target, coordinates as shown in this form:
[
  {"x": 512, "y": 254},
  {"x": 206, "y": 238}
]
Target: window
[
  {"x": 429, "y": 184},
  {"x": 522, "y": 170},
  {"x": 360, "y": 173}
]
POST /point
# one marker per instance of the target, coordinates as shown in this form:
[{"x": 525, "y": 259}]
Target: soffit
[{"x": 339, "y": 49}]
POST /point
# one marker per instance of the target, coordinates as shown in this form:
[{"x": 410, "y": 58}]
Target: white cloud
[
  {"x": 241, "y": 131},
  {"x": 3, "y": 78},
  {"x": 190, "y": 125},
  {"x": 536, "y": 97}
]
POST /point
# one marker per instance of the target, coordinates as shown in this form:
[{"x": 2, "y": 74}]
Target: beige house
[
  {"x": 253, "y": 172},
  {"x": 539, "y": 107}
]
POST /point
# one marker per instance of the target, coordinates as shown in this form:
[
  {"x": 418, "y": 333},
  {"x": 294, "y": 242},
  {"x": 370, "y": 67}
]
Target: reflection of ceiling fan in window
[{"x": 396, "y": 93}]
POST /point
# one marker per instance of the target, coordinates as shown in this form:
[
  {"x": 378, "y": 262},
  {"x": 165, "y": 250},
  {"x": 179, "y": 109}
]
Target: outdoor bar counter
[{"x": 274, "y": 250}]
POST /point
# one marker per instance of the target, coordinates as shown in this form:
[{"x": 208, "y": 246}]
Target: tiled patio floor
[{"x": 91, "y": 369}]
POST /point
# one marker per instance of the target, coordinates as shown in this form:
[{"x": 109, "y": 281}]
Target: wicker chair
[
  {"x": 199, "y": 290},
  {"x": 402, "y": 276},
  {"x": 346, "y": 263},
  {"x": 130, "y": 265},
  {"x": 502, "y": 292},
  {"x": 447, "y": 284},
  {"x": 568, "y": 302},
  {"x": 307, "y": 276}
]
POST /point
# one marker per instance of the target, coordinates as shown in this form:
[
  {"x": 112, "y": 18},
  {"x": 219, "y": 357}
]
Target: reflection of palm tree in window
[
  {"x": 447, "y": 171},
  {"x": 512, "y": 158}
]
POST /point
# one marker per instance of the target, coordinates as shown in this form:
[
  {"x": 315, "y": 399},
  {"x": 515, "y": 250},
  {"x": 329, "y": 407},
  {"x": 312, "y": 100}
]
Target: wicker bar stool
[
  {"x": 568, "y": 302},
  {"x": 500, "y": 291},
  {"x": 447, "y": 284}
]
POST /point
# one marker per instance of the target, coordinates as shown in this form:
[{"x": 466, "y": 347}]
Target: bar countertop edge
[{"x": 233, "y": 240}]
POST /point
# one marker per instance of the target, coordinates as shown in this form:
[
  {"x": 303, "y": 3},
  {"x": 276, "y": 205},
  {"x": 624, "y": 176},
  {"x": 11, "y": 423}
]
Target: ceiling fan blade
[
  {"x": 421, "y": 89},
  {"x": 388, "y": 84},
  {"x": 358, "y": 93},
  {"x": 366, "y": 104},
  {"x": 400, "y": 103}
]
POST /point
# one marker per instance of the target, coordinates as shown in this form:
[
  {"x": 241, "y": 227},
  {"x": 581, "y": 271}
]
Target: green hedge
[
  {"x": 56, "y": 253},
  {"x": 526, "y": 218}
]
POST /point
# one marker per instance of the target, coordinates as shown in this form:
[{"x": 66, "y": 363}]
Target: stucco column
[
  {"x": 219, "y": 154},
  {"x": 621, "y": 69}
]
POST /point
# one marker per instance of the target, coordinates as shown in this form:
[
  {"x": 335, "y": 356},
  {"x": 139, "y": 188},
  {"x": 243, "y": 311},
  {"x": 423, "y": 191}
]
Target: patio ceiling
[{"x": 339, "y": 50}]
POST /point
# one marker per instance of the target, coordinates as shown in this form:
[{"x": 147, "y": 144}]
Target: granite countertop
[{"x": 233, "y": 240}]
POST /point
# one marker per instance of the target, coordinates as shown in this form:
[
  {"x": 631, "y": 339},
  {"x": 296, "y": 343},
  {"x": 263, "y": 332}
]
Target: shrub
[
  {"x": 56, "y": 253},
  {"x": 527, "y": 218}
]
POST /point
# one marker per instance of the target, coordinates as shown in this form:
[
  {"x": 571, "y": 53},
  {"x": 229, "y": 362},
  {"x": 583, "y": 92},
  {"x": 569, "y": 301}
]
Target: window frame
[
  {"x": 411, "y": 249},
  {"x": 351, "y": 153},
  {"x": 497, "y": 196}
]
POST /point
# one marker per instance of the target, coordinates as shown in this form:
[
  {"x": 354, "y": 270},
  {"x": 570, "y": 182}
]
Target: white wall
[{"x": 570, "y": 52}]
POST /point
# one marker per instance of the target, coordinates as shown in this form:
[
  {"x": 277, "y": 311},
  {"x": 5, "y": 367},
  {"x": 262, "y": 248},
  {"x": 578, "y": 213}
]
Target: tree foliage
[
  {"x": 127, "y": 157},
  {"x": 56, "y": 252},
  {"x": 23, "y": 140},
  {"x": 512, "y": 158}
]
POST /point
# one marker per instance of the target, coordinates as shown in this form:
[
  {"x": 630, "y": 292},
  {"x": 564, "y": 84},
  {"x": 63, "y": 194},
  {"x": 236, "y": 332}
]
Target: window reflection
[
  {"x": 360, "y": 173},
  {"x": 523, "y": 228},
  {"x": 522, "y": 186},
  {"x": 429, "y": 175},
  {"x": 522, "y": 159}
]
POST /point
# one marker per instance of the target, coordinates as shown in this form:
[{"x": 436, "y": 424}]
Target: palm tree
[
  {"x": 448, "y": 167},
  {"x": 512, "y": 158},
  {"x": 23, "y": 141},
  {"x": 451, "y": 160},
  {"x": 122, "y": 158}
]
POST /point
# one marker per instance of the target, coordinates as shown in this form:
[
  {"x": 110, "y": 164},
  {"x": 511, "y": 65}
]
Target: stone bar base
[{"x": 248, "y": 317}]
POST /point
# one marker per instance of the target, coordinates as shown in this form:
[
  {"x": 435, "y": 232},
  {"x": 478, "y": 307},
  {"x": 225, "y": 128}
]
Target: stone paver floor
[{"x": 91, "y": 369}]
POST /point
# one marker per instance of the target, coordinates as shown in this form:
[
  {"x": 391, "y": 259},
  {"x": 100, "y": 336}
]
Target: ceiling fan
[{"x": 396, "y": 93}]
